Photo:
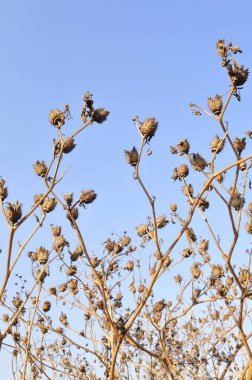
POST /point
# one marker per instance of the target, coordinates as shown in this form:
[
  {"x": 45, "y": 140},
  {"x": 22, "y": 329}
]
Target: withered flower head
[
  {"x": 40, "y": 168},
  {"x": 86, "y": 197},
  {"x": 14, "y": 212},
  {"x": 132, "y": 156},
  {"x": 148, "y": 128},
  {"x": 100, "y": 115},
  {"x": 215, "y": 104},
  {"x": 69, "y": 145},
  {"x": 57, "y": 118}
]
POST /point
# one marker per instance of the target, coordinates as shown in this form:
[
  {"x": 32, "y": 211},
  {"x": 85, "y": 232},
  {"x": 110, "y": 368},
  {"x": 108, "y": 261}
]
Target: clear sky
[{"x": 138, "y": 57}]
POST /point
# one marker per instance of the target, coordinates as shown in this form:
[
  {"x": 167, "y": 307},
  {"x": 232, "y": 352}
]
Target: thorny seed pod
[
  {"x": 217, "y": 144},
  {"x": 191, "y": 235},
  {"x": 68, "y": 198},
  {"x": 198, "y": 162},
  {"x": 17, "y": 301},
  {"x": 183, "y": 171},
  {"x": 167, "y": 262},
  {"x": 245, "y": 277},
  {"x": 71, "y": 270},
  {"x": 240, "y": 144},
  {"x": 222, "y": 50},
  {"x": 217, "y": 271},
  {"x": 14, "y": 212},
  {"x": 173, "y": 207},
  {"x": 46, "y": 306},
  {"x": 95, "y": 262},
  {"x": 40, "y": 168},
  {"x": 86, "y": 197},
  {"x": 203, "y": 204},
  {"x": 204, "y": 244},
  {"x": 129, "y": 266},
  {"x": 239, "y": 75},
  {"x": 141, "y": 288},
  {"x": 162, "y": 221},
  {"x": 68, "y": 145},
  {"x": 196, "y": 293},
  {"x": 229, "y": 281},
  {"x": 109, "y": 245},
  {"x": 215, "y": 105},
  {"x": 56, "y": 231},
  {"x": 100, "y": 115},
  {"x": 49, "y": 205},
  {"x": 125, "y": 241},
  {"x": 148, "y": 128},
  {"x": 196, "y": 272},
  {"x": 3, "y": 190},
  {"x": 41, "y": 275},
  {"x": 142, "y": 230},
  {"x": 175, "y": 175},
  {"x": 249, "y": 227},
  {"x": 42, "y": 255},
  {"x": 57, "y": 118},
  {"x": 183, "y": 146},
  {"x": 59, "y": 243},
  {"x": 132, "y": 156},
  {"x": 117, "y": 249}
]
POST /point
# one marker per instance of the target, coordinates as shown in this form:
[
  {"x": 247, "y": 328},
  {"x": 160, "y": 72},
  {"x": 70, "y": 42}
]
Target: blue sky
[{"x": 141, "y": 58}]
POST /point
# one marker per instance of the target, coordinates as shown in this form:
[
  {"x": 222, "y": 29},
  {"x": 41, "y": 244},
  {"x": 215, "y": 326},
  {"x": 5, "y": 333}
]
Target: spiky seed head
[
  {"x": 237, "y": 202},
  {"x": 74, "y": 212},
  {"x": 132, "y": 156},
  {"x": 73, "y": 284},
  {"x": 68, "y": 145},
  {"x": 217, "y": 145},
  {"x": 86, "y": 197},
  {"x": 183, "y": 171},
  {"x": 222, "y": 50},
  {"x": 14, "y": 212},
  {"x": 42, "y": 255},
  {"x": 100, "y": 115},
  {"x": 183, "y": 146},
  {"x": 57, "y": 118},
  {"x": 240, "y": 144},
  {"x": 196, "y": 272},
  {"x": 148, "y": 128},
  {"x": 204, "y": 244},
  {"x": 38, "y": 198},
  {"x": 40, "y": 168},
  {"x": 59, "y": 243},
  {"x": 49, "y": 205},
  {"x": 198, "y": 162},
  {"x": 56, "y": 231},
  {"x": 217, "y": 271},
  {"x": 215, "y": 104},
  {"x": 186, "y": 253},
  {"x": 191, "y": 235}
]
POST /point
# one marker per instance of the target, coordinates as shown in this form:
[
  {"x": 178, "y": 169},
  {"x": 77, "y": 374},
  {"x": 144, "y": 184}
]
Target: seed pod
[
  {"x": 191, "y": 235},
  {"x": 133, "y": 288},
  {"x": 49, "y": 205},
  {"x": 129, "y": 266},
  {"x": 237, "y": 202},
  {"x": 68, "y": 145},
  {"x": 68, "y": 198},
  {"x": 183, "y": 146},
  {"x": 240, "y": 144},
  {"x": 217, "y": 144},
  {"x": 56, "y": 231},
  {"x": 183, "y": 171},
  {"x": 159, "y": 306},
  {"x": 217, "y": 271},
  {"x": 71, "y": 270},
  {"x": 53, "y": 290},
  {"x": 187, "y": 190},
  {"x": 186, "y": 253},
  {"x": 46, "y": 306},
  {"x": 59, "y": 243},
  {"x": 141, "y": 288},
  {"x": 57, "y": 118},
  {"x": 239, "y": 75},
  {"x": 40, "y": 168},
  {"x": 14, "y": 212},
  {"x": 117, "y": 249},
  {"x": 162, "y": 221},
  {"x": 142, "y": 230},
  {"x": 3, "y": 190},
  {"x": 196, "y": 272},
  {"x": 125, "y": 241},
  {"x": 63, "y": 288},
  {"x": 198, "y": 162},
  {"x": 95, "y": 262},
  {"x": 100, "y": 115},
  {"x": 148, "y": 128},
  {"x": 86, "y": 197},
  {"x": 73, "y": 284},
  {"x": 249, "y": 227},
  {"x": 74, "y": 212},
  {"x": 17, "y": 302},
  {"x": 38, "y": 198},
  {"x": 243, "y": 166},
  {"x": 42, "y": 255},
  {"x": 132, "y": 156},
  {"x": 215, "y": 105},
  {"x": 173, "y": 207},
  {"x": 204, "y": 244},
  {"x": 203, "y": 204},
  {"x": 220, "y": 178}
]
